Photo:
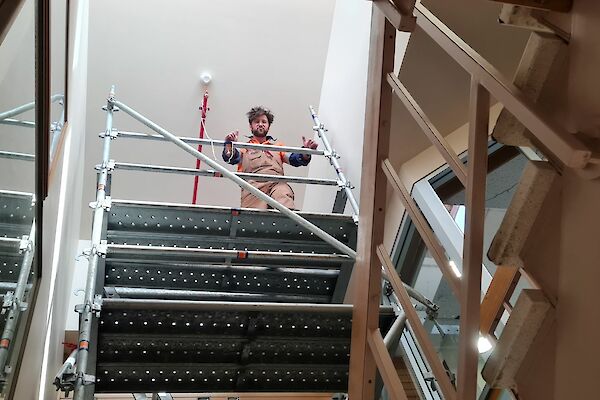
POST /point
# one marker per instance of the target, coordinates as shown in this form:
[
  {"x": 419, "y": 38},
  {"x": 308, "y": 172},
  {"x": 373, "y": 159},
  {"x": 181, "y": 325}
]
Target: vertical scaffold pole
[
  {"x": 16, "y": 305},
  {"x": 333, "y": 160},
  {"x": 92, "y": 305}
]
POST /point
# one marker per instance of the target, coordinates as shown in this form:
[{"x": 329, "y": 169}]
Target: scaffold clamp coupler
[
  {"x": 105, "y": 204},
  {"x": 7, "y": 303},
  {"x": 97, "y": 305},
  {"x": 25, "y": 244},
  {"x": 114, "y": 133},
  {"x": 110, "y": 166},
  {"x": 112, "y": 106},
  {"x": 100, "y": 249}
]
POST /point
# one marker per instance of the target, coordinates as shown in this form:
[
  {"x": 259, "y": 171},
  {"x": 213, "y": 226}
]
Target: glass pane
[{"x": 442, "y": 327}]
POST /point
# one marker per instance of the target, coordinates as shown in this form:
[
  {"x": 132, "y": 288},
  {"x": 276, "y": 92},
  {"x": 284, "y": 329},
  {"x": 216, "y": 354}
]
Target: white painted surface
[{"x": 342, "y": 103}]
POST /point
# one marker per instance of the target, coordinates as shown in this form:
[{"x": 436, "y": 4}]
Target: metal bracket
[
  {"x": 12, "y": 302},
  {"x": 112, "y": 107},
  {"x": 95, "y": 307},
  {"x": 347, "y": 184},
  {"x": 88, "y": 379},
  {"x": 105, "y": 204},
  {"x": 110, "y": 166},
  {"x": 9, "y": 298},
  {"x": 114, "y": 133},
  {"x": 26, "y": 244},
  {"x": 100, "y": 249}
]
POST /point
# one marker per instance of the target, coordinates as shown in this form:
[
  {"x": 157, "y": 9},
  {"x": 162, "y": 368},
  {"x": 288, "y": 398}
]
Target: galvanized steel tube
[
  {"x": 241, "y": 145},
  {"x": 85, "y": 326},
  {"x": 334, "y": 162}
]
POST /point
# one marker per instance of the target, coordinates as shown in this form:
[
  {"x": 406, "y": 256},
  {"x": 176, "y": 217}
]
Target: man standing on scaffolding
[{"x": 264, "y": 161}]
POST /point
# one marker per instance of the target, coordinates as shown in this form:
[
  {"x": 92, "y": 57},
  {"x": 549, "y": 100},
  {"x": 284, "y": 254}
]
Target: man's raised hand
[
  {"x": 309, "y": 143},
  {"x": 232, "y": 137}
]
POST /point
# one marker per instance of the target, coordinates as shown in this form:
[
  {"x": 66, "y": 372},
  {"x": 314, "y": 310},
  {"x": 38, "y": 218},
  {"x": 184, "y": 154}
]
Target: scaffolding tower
[{"x": 184, "y": 298}]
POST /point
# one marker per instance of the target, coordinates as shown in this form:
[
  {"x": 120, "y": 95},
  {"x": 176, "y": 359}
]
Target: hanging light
[{"x": 454, "y": 268}]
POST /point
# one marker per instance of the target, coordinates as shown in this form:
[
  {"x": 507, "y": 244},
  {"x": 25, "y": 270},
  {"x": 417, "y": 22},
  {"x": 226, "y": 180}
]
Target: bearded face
[{"x": 260, "y": 126}]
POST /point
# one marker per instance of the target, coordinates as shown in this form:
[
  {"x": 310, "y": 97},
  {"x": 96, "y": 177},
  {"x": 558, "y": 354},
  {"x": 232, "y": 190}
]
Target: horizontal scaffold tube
[
  {"x": 217, "y": 174},
  {"x": 241, "y": 145},
  {"x": 239, "y": 181},
  {"x": 152, "y": 304}
]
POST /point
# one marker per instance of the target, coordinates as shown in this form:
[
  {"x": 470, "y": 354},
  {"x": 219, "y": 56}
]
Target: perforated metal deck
[
  {"x": 203, "y": 346},
  {"x": 216, "y": 299},
  {"x": 174, "y": 251}
]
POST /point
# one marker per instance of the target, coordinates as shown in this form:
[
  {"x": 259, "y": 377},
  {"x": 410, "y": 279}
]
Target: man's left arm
[{"x": 301, "y": 160}]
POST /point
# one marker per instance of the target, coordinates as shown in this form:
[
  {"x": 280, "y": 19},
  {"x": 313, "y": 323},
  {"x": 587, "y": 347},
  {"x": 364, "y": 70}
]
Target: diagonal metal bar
[
  {"x": 18, "y": 122},
  {"x": 26, "y": 107},
  {"x": 17, "y": 156},
  {"x": 239, "y": 181}
]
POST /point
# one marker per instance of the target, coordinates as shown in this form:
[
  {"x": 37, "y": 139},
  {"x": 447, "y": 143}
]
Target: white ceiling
[{"x": 265, "y": 52}]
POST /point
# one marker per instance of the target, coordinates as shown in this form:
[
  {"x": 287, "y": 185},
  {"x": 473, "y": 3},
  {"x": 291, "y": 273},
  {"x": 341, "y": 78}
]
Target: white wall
[
  {"x": 342, "y": 103},
  {"x": 62, "y": 214}
]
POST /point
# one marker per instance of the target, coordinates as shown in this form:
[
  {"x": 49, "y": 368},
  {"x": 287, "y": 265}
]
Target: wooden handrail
[
  {"x": 430, "y": 131},
  {"x": 398, "y": 13},
  {"x": 435, "y": 248},
  {"x": 439, "y": 372},
  {"x": 385, "y": 365},
  {"x": 560, "y": 144}
]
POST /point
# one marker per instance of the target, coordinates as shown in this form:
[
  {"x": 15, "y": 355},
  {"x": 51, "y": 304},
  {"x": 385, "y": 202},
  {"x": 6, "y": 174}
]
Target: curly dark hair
[{"x": 257, "y": 111}]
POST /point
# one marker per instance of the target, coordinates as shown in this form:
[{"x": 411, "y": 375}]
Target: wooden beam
[
  {"x": 367, "y": 271},
  {"x": 433, "y": 245},
  {"x": 428, "y": 128},
  {"x": 470, "y": 292},
  {"x": 386, "y": 367},
  {"x": 548, "y": 5},
  {"x": 399, "y": 13},
  {"x": 416, "y": 325},
  {"x": 549, "y": 135},
  {"x": 492, "y": 306}
]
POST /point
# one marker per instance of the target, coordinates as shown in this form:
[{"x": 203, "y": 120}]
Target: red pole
[{"x": 203, "y": 109}]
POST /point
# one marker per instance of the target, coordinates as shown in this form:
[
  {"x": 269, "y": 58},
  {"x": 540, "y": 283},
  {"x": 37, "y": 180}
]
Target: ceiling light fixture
[{"x": 206, "y": 78}]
